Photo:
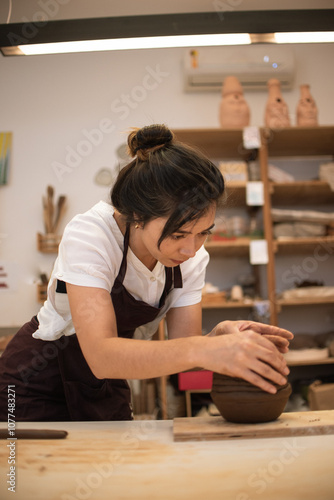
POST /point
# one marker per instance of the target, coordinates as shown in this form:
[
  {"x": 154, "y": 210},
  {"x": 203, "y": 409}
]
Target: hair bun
[{"x": 148, "y": 139}]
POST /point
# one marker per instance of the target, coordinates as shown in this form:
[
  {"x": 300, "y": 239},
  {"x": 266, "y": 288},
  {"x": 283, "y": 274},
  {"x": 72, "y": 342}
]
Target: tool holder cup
[
  {"x": 239, "y": 401},
  {"x": 48, "y": 243}
]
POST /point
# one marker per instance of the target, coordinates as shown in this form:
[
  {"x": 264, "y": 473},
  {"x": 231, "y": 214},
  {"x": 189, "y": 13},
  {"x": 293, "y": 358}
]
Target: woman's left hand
[{"x": 278, "y": 336}]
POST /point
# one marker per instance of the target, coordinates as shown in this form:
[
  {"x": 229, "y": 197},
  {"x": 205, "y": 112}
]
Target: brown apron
[{"x": 52, "y": 379}]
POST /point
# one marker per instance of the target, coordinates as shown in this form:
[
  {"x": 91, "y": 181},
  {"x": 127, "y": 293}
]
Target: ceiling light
[
  {"x": 192, "y": 29},
  {"x": 305, "y": 37},
  {"x": 156, "y": 42}
]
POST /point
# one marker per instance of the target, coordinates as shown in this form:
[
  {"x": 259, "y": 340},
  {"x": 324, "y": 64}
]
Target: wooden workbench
[{"x": 139, "y": 460}]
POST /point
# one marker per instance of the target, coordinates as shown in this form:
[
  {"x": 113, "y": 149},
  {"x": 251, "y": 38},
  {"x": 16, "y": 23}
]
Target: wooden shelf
[
  {"x": 300, "y": 141},
  {"x": 326, "y": 361},
  {"x": 305, "y": 301},
  {"x": 238, "y": 247},
  {"x": 285, "y": 246},
  {"x": 215, "y": 142},
  {"x": 228, "y": 304},
  {"x": 301, "y": 193},
  {"x": 284, "y": 142},
  {"x": 285, "y": 193}
]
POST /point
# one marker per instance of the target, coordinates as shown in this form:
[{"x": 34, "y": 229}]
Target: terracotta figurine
[
  {"x": 307, "y": 112},
  {"x": 277, "y": 113},
  {"x": 234, "y": 111}
]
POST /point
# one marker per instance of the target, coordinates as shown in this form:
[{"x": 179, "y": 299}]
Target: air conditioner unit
[{"x": 206, "y": 68}]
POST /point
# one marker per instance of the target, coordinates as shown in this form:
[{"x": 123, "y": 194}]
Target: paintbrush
[
  {"x": 45, "y": 215},
  {"x": 59, "y": 213},
  {"x": 50, "y": 207}
]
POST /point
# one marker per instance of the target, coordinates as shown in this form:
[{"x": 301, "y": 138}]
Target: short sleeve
[{"x": 87, "y": 254}]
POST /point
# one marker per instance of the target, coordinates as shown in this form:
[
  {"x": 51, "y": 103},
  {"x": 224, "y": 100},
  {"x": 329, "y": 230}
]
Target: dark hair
[{"x": 166, "y": 179}]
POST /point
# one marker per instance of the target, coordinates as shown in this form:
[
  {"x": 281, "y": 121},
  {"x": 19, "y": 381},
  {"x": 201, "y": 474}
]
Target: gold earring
[{"x": 137, "y": 225}]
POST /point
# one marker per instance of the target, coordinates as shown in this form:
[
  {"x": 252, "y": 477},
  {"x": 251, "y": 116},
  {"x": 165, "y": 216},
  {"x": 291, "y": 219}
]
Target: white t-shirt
[{"x": 90, "y": 254}]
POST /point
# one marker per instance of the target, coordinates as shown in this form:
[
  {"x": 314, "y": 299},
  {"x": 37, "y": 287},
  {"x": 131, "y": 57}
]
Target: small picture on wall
[{"x": 5, "y": 153}]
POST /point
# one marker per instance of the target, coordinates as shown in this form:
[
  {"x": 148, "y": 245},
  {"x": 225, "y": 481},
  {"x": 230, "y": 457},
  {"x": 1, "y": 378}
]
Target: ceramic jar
[
  {"x": 276, "y": 112},
  {"x": 234, "y": 110},
  {"x": 241, "y": 402},
  {"x": 307, "y": 112}
]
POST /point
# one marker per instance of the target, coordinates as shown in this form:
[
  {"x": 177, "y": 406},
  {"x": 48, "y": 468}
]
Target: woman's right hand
[{"x": 245, "y": 353}]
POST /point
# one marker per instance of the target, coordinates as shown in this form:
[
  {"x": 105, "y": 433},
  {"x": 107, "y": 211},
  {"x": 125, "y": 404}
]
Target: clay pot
[
  {"x": 276, "y": 113},
  {"x": 307, "y": 112},
  {"x": 239, "y": 401},
  {"x": 234, "y": 111}
]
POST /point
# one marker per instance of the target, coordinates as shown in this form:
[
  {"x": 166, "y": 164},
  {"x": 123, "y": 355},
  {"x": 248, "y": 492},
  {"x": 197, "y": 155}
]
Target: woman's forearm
[
  {"x": 245, "y": 354},
  {"x": 141, "y": 359}
]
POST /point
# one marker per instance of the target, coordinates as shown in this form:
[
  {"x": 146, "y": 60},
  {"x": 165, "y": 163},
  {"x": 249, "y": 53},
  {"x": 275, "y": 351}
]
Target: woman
[{"x": 121, "y": 268}]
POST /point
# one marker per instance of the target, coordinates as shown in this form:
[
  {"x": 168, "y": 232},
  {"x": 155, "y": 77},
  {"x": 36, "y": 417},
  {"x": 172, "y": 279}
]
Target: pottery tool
[
  {"x": 50, "y": 207},
  {"x": 59, "y": 213},
  {"x": 306, "y": 423},
  {"x": 45, "y": 215},
  {"x": 33, "y": 434},
  {"x": 44, "y": 279}
]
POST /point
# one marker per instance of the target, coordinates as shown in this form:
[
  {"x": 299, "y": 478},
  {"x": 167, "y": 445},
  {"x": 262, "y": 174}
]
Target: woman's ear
[{"x": 138, "y": 222}]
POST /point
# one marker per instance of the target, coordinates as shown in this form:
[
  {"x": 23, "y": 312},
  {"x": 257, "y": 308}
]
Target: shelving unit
[
  {"x": 294, "y": 142},
  {"x": 299, "y": 143},
  {"x": 284, "y": 144},
  {"x": 228, "y": 145}
]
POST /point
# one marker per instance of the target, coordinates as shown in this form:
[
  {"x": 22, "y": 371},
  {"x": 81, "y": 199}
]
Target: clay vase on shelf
[
  {"x": 307, "y": 112},
  {"x": 234, "y": 110},
  {"x": 241, "y": 402},
  {"x": 276, "y": 113}
]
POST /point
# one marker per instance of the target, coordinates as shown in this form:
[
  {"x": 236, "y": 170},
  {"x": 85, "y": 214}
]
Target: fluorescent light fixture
[
  {"x": 305, "y": 37},
  {"x": 154, "y": 42},
  {"x": 159, "y": 42},
  {"x": 192, "y": 29}
]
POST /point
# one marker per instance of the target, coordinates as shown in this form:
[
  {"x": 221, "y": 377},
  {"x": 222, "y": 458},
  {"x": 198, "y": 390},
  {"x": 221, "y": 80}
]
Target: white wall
[{"x": 48, "y": 102}]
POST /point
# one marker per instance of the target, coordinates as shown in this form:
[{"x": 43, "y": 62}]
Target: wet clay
[{"x": 241, "y": 402}]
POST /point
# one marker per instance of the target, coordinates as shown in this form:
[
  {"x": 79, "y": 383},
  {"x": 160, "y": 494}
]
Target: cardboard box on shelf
[{"x": 321, "y": 396}]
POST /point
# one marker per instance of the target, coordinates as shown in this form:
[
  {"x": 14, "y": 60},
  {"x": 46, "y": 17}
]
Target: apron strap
[{"x": 123, "y": 266}]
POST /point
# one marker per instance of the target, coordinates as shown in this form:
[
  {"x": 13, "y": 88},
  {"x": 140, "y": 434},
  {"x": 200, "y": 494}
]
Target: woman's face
[{"x": 181, "y": 245}]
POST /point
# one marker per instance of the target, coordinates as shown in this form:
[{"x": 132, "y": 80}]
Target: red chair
[{"x": 194, "y": 381}]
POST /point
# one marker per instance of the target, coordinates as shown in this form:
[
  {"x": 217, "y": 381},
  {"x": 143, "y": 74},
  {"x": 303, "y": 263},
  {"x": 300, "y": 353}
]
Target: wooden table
[{"x": 139, "y": 460}]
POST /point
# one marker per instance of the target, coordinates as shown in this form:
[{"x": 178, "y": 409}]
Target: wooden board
[{"x": 306, "y": 423}]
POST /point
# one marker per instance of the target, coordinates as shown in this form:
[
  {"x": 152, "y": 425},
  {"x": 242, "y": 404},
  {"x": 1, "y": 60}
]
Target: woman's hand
[
  {"x": 248, "y": 350},
  {"x": 278, "y": 336}
]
